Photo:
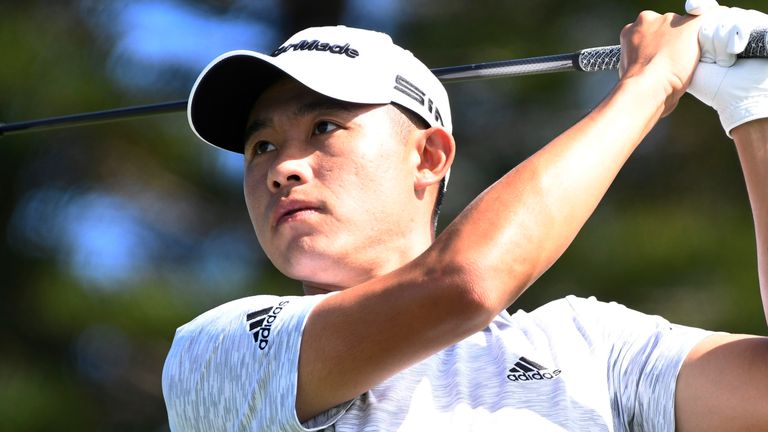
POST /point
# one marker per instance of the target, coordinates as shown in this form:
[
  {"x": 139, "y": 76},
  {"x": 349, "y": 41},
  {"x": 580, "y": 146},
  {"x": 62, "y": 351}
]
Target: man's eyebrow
[{"x": 255, "y": 126}]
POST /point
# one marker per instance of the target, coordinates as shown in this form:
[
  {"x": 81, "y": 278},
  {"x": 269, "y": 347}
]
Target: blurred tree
[
  {"x": 299, "y": 15},
  {"x": 116, "y": 234}
]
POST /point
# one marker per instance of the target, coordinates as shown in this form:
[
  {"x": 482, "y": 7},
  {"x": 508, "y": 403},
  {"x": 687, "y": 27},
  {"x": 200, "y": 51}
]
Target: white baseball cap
[{"x": 349, "y": 64}]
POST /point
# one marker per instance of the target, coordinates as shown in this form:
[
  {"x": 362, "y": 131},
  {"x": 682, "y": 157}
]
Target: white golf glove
[{"x": 737, "y": 90}]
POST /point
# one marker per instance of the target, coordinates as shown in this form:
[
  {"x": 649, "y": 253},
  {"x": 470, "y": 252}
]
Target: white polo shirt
[{"x": 572, "y": 364}]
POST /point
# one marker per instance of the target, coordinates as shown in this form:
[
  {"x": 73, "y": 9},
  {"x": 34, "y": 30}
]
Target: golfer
[{"x": 347, "y": 148}]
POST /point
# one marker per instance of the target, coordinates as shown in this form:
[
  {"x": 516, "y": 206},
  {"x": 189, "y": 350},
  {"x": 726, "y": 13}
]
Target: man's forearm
[
  {"x": 518, "y": 228},
  {"x": 752, "y": 144}
]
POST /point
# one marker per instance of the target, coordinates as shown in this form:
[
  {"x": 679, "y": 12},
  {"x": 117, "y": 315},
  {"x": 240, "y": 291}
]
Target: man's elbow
[{"x": 475, "y": 292}]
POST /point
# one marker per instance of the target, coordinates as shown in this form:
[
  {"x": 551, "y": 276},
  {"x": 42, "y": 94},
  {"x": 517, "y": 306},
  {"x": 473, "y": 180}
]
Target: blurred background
[{"x": 117, "y": 233}]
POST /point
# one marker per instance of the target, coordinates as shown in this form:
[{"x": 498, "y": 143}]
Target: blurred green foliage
[{"x": 673, "y": 236}]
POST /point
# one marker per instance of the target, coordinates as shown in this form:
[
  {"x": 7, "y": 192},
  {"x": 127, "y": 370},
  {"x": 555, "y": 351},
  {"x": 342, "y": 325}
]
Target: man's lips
[{"x": 291, "y": 209}]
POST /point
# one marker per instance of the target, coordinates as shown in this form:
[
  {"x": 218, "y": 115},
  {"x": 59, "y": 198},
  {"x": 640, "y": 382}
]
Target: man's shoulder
[
  {"x": 239, "y": 305},
  {"x": 236, "y": 331},
  {"x": 609, "y": 320},
  {"x": 583, "y": 314},
  {"x": 572, "y": 305},
  {"x": 253, "y": 306},
  {"x": 236, "y": 358}
]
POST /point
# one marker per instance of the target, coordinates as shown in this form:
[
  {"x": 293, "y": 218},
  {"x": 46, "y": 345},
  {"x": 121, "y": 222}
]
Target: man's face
[{"x": 330, "y": 186}]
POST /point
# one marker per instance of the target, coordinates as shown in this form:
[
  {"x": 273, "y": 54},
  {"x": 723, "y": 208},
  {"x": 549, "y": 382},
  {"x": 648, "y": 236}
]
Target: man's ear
[{"x": 436, "y": 149}]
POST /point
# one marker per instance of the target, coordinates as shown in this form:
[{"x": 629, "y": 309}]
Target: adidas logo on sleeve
[
  {"x": 260, "y": 323},
  {"x": 528, "y": 370}
]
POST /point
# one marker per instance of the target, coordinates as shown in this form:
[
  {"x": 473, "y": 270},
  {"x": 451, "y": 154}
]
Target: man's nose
[{"x": 288, "y": 172}]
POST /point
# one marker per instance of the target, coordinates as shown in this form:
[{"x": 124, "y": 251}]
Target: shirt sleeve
[
  {"x": 644, "y": 354},
  {"x": 235, "y": 368}
]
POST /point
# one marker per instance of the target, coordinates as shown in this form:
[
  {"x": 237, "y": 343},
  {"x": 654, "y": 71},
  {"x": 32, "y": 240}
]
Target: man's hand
[
  {"x": 663, "y": 49},
  {"x": 737, "y": 90}
]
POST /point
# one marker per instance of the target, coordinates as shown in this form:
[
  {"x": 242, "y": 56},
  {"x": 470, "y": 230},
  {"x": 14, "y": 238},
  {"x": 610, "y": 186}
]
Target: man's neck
[{"x": 360, "y": 276}]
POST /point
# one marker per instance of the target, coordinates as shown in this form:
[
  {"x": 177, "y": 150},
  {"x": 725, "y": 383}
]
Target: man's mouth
[
  {"x": 293, "y": 210},
  {"x": 295, "y": 214}
]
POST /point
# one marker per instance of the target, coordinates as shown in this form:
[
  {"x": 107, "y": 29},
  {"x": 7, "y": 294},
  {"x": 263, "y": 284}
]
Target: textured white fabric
[{"x": 573, "y": 364}]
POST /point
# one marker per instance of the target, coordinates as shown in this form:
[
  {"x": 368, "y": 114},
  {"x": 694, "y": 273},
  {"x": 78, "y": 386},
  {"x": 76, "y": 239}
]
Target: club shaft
[
  {"x": 93, "y": 117},
  {"x": 586, "y": 60},
  {"x": 508, "y": 68}
]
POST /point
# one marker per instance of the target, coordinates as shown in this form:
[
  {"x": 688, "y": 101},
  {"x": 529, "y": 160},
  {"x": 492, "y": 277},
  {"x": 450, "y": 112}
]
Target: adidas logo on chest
[{"x": 528, "y": 370}]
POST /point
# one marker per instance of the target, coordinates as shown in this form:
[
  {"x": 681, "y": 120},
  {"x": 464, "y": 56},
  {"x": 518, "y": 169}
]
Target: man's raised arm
[{"x": 752, "y": 144}]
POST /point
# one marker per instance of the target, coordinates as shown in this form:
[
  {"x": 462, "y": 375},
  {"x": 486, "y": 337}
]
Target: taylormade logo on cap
[{"x": 316, "y": 45}]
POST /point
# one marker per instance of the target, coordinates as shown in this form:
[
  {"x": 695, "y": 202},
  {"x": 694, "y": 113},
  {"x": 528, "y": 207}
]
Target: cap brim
[{"x": 222, "y": 97}]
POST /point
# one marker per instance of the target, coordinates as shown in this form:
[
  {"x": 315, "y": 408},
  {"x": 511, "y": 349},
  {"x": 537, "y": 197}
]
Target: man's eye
[
  {"x": 324, "y": 127},
  {"x": 262, "y": 147}
]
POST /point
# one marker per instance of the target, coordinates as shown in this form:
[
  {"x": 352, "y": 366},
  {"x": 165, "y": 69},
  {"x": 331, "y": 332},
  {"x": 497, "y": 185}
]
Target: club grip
[
  {"x": 757, "y": 47},
  {"x": 608, "y": 57}
]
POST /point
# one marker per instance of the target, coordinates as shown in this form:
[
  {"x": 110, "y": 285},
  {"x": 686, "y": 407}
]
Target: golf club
[{"x": 586, "y": 60}]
